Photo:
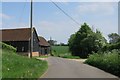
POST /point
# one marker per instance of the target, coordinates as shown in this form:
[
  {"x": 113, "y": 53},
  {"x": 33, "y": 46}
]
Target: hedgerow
[
  {"x": 110, "y": 47},
  {"x": 108, "y": 61},
  {"x": 8, "y": 47}
]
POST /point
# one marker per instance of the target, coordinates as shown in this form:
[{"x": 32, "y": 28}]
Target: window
[
  {"x": 34, "y": 39},
  {"x": 22, "y": 48}
]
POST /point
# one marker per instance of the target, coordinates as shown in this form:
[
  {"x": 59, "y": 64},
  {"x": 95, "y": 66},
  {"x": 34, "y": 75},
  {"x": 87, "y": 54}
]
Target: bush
[
  {"x": 108, "y": 61},
  {"x": 110, "y": 47},
  {"x": 8, "y": 47}
]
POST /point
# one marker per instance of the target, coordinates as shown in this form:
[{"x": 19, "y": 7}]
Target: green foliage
[
  {"x": 52, "y": 42},
  {"x": 71, "y": 42},
  {"x": 8, "y": 47},
  {"x": 16, "y": 66},
  {"x": 85, "y": 41},
  {"x": 110, "y": 47},
  {"x": 0, "y": 63},
  {"x": 114, "y": 38},
  {"x": 62, "y": 51},
  {"x": 108, "y": 61}
]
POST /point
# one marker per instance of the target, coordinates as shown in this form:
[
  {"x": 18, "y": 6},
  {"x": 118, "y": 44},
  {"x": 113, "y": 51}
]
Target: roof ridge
[{"x": 15, "y": 29}]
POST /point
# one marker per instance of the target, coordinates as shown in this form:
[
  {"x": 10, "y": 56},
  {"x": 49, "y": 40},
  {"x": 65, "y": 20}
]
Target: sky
[{"x": 49, "y": 21}]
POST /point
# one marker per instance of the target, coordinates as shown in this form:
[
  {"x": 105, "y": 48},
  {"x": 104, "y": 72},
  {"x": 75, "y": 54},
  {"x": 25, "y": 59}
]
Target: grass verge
[
  {"x": 0, "y": 63},
  {"x": 16, "y": 66},
  {"x": 70, "y": 57}
]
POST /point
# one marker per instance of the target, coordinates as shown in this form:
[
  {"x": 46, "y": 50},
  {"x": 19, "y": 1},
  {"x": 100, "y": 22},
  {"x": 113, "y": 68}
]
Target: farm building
[
  {"x": 44, "y": 45},
  {"x": 20, "y": 39}
]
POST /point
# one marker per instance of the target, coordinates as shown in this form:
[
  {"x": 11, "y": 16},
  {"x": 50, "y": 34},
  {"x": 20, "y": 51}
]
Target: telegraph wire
[{"x": 65, "y": 13}]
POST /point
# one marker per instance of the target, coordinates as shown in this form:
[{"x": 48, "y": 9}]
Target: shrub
[
  {"x": 110, "y": 47},
  {"x": 108, "y": 61},
  {"x": 8, "y": 47}
]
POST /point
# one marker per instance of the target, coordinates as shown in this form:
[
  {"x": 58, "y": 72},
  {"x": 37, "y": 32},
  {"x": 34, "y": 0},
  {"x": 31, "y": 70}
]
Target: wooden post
[
  {"x": 50, "y": 47},
  {"x": 31, "y": 28}
]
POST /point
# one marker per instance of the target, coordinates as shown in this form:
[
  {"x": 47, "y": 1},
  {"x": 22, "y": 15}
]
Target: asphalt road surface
[{"x": 64, "y": 68}]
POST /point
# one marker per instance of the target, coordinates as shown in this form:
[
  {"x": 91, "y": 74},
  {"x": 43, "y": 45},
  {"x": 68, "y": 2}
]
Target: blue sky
[{"x": 50, "y": 21}]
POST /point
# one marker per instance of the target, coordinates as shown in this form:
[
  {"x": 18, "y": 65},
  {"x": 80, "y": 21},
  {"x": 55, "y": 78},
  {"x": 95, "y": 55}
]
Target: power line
[{"x": 66, "y": 13}]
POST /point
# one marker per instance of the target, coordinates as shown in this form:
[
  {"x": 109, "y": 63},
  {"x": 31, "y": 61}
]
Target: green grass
[
  {"x": 62, "y": 51},
  {"x": 0, "y": 63},
  {"x": 71, "y": 57},
  {"x": 16, "y": 66},
  {"x": 108, "y": 61}
]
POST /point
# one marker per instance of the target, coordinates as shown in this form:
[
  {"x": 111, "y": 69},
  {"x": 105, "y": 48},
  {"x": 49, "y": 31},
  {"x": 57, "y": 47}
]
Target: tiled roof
[
  {"x": 43, "y": 42},
  {"x": 21, "y": 34}
]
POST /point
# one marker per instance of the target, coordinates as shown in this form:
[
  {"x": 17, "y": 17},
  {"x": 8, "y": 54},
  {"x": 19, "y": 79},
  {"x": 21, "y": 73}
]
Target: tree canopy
[
  {"x": 114, "y": 38},
  {"x": 85, "y": 41}
]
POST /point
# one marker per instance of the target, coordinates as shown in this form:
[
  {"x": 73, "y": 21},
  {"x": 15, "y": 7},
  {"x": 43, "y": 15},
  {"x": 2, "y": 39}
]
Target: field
[
  {"x": 16, "y": 66},
  {"x": 62, "y": 51}
]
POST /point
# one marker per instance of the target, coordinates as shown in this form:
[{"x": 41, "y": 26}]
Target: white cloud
[
  {"x": 59, "y": 31},
  {"x": 106, "y": 8},
  {"x": 48, "y": 26},
  {"x": 4, "y": 16},
  {"x": 14, "y": 25},
  {"x": 62, "y": 30}
]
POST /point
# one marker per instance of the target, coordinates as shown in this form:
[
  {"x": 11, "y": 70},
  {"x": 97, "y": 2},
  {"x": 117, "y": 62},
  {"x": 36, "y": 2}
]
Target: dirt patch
[
  {"x": 42, "y": 58},
  {"x": 80, "y": 60}
]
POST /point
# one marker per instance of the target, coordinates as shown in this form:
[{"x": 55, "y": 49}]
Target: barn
[
  {"x": 20, "y": 39},
  {"x": 44, "y": 46}
]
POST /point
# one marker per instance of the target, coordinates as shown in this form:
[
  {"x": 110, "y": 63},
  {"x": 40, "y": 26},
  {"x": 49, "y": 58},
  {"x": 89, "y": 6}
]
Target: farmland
[{"x": 62, "y": 51}]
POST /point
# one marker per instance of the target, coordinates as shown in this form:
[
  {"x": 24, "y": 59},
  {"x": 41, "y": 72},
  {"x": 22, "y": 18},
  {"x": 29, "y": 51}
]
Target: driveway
[{"x": 64, "y": 68}]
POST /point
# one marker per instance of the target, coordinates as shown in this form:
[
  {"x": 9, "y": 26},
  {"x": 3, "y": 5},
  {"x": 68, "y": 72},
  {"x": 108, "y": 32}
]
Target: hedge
[
  {"x": 6, "y": 46},
  {"x": 108, "y": 61},
  {"x": 110, "y": 47}
]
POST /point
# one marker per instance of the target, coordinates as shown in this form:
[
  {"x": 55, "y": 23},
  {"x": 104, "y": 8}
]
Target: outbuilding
[
  {"x": 20, "y": 39},
  {"x": 44, "y": 46}
]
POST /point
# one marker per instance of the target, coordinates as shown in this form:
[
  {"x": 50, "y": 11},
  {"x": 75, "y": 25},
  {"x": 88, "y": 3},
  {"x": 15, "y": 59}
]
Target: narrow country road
[{"x": 63, "y": 68}]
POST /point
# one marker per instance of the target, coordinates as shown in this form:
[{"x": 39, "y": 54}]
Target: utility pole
[
  {"x": 50, "y": 46},
  {"x": 31, "y": 28}
]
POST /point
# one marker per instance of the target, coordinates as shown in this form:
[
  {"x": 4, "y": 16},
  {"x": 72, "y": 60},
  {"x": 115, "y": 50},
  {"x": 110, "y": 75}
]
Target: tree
[
  {"x": 63, "y": 44},
  {"x": 71, "y": 41},
  {"x": 52, "y": 42},
  {"x": 85, "y": 41},
  {"x": 114, "y": 38}
]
